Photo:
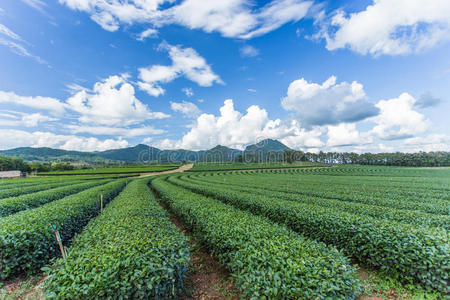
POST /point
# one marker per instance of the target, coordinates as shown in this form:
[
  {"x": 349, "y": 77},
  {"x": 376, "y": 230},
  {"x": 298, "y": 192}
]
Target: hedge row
[
  {"x": 9, "y": 206},
  {"x": 268, "y": 261},
  {"x": 422, "y": 190},
  {"x": 27, "y": 241},
  {"x": 408, "y": 251},
  {"x": 380, "y": 212},
  {"x": 324, "y": 187},
  {"x": 33, "y": 189},
  {"x": 131, "y": 251}
]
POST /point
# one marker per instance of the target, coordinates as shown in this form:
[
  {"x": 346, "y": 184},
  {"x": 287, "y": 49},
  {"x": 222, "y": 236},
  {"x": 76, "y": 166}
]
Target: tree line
[
  {"x": 18, "y": 164},
  {"x": 419, "y": 159}
]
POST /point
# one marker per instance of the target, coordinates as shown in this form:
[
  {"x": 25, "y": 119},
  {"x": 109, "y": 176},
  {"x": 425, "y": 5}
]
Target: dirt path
[
  {"x": 180, "y": 169},
  {"x": 206, "y": 278}
]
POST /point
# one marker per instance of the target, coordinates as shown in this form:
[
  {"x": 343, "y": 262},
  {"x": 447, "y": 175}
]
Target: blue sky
[{"x": 317, "y": 75}]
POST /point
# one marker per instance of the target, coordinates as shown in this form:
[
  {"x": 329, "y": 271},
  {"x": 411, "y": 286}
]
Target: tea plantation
[{"x": 281, "y": 233}]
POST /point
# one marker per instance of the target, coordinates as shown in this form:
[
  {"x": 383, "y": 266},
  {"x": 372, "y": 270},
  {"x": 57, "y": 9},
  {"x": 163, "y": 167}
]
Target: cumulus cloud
[
  {"x": 111, "y": 102},
  {"x": 346, "y": 134},
  {"x": 398, "y": 119},
  {"x": 236, "y": 130},
  {"x": 431, "y": 142},
  {"x": 115, "y": 131},
  {"x": 148, "y": 33},
  {"x": 187, "y": 108},
  {"x": 303, "y": 139},
  {"x": 248, "y": 51},
  {"x": 33, "y": 120},
  {"x": 389, "y": 27},
  {"x": 18, "y": 138},
  {"x": 185, "y": 62},
  {"x": 236, "y": 18},
  {"x": 19, "y": 119},
  {"x": 328, "y": 103},
  {"x": 188, "y": 92}
]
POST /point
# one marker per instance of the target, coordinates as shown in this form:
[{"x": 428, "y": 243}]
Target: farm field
[
  {"x": 287, "y": 233},
  {"x": 115, "y": 170},
  {"x": 199, "y": 167}
]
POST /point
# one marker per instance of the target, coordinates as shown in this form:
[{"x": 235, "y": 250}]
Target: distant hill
[
  {"x": 265, "y": 150},
  {"x": 145, "y": 154},
  {"x": 220, "y": 154},
  {"x": 267, "y": 145},
  {"x": 131, "y": 154}
]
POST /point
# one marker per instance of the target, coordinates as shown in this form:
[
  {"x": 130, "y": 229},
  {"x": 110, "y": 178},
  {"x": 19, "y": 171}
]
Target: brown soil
[
  {"x": 364, "y": 275},
  {"x": 206, "y": 278},
  {"x": 25, "y": 288}
]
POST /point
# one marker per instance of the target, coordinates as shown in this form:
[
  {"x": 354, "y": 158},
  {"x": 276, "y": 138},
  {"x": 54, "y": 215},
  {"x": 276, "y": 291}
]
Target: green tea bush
[
  {"x": 268, "y": 261},
  {"x": 413, "y": 217},
  {"x": 33, "y": 189},
  {"x": 421, "y": 253},
  {"x": 130, "y": 251},
  {"x": 9, "y": 206},
  {"x": 27, "y": 241}
]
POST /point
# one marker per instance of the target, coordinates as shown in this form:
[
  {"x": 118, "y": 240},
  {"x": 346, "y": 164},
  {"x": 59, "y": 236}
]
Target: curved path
[{"x": 180, "y": 169}]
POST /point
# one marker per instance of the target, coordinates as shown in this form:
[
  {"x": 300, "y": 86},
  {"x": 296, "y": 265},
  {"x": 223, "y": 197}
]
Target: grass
[
  {"x": 29, "y": 288},
  {"x": 382, "y": 285}
]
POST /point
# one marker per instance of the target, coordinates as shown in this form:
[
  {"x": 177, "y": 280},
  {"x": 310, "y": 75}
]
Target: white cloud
[
  {"x": 185, "y": 62},
  {"x": 187, "y": 108},
  {"x": 398, "y": 119},
  {"x": 233, "y": 18},
  {"x": 432, "y": 142},
  {"x": 54, "y": 106},
  {"x": 390, "y": 27},
  {"x": 14, "y": 46},
  {"x": 236, "y": 130},
  {"x": 188, "y": 92},
  {"x": 251, "y": 90},
  {"x": 9, "y": 33},
  {"x": 115, "y": 131},
  {"x": 33, "y": 120},
  {"x": 19, "y": 138},
  {"x": 36, "y": 4},
  {"x": 111, "y": 102},
  {"x": 328, "y": 103},
  {"x": 20, "y": 50},
  {"x": 345, "y": 134},
  {"x": 148, "y": 33},
  {"x": 304, "y": 139},
  {"x": 248, "y": 51},
  {"x": 18, "y": 119}
]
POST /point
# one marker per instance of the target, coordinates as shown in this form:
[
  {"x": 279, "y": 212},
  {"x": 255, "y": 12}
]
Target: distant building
[{"x": 11, "y": 174}]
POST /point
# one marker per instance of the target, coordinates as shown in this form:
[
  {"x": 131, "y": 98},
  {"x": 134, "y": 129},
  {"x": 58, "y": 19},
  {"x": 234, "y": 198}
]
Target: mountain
[
  {"x": 221, "y": 154},
  {"x": 137, "y": 153},
  {"x": 265, "y": 150},
  {"x": 49, "y": 154},
  {"x": 147, "y": 154},
  {"x": 267, "y": 145}
]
